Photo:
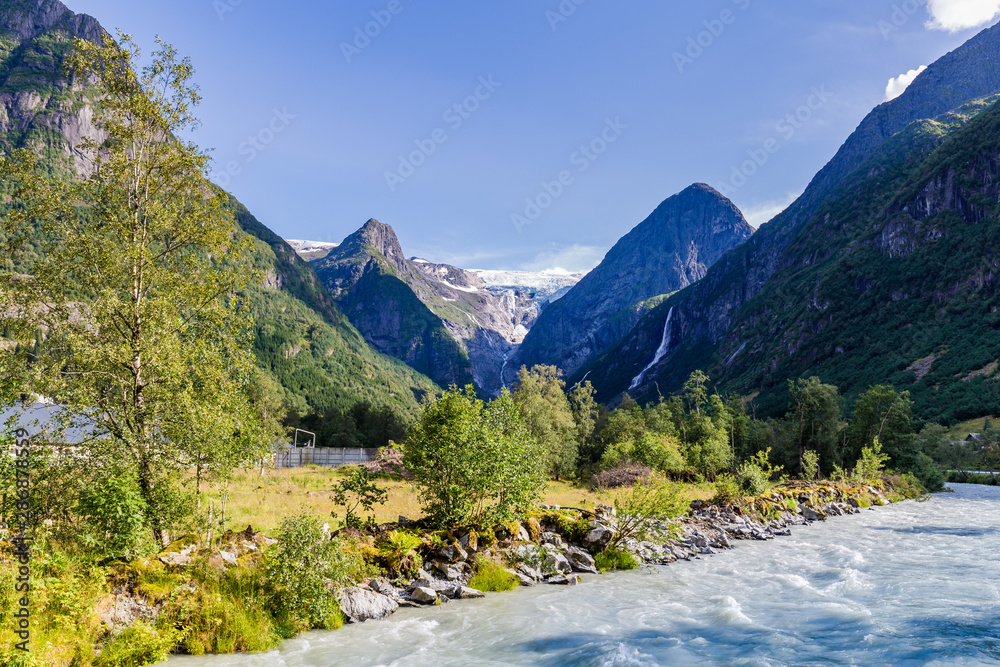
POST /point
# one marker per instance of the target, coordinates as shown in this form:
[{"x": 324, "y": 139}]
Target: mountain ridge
[{"x": 672, "y": 248}]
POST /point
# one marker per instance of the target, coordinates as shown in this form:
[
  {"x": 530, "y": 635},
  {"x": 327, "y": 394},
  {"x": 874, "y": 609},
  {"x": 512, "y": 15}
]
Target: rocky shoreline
[{"x": 557, "y": 545}]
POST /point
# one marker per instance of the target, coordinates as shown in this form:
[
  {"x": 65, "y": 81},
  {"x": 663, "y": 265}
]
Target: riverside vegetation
[{"x": 145, "y": 338}]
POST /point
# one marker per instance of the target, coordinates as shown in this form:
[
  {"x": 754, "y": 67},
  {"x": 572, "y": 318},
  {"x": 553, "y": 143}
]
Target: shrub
[
  {"x": 298, "y": 568},
  {"x": 615, "y": 559},
  {"x": 225, "y": 613},
  {"x": 475, "y": 464},
  {"x": 116, "y": 516},
  {"x": 928, "y": 473},
  {"x": 358, "y": 491},
  {"x": 643, "y": 506},
  {"x": 136, "y": 646},
  {"x": 626, "y": 474},
  {"x": 810, "y": 465},
  {"x": 396, "y": 551},
  {"x": 727, "y": 491},
  {"x": 491, "y": 577},
  {"x": 751, "y": 479},
  {"x": 869, "y": 467}
]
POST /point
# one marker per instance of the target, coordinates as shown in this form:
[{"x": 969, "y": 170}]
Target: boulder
[
  {"x": 360, "y": 604},
  {"x": 382, "y": 586},
  {"x": 599, "y": 536},
  {"x": 529, "y": 572},
  {"x": 557, "y": 562},
  {"x": 453, "y": 553},
  {"x": 228, "y": 557},
  {"x": 809, "y": 514},
  {"x": 551, "y": 538},
  {"x": 424, "y": 595},
  {"x": 523, "y": 579},
  {"x": 469, "y": 593},
  {"x": 558, "y": 579},
  {"x": 581, "y": 560}
]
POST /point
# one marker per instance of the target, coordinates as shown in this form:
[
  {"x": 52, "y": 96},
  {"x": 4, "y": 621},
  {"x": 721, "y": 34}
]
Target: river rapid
[{"x": 917, "y": 583}]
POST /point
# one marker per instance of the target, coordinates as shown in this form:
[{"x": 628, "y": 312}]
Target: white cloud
[
  {"x": 897, "y": 85},
  {"x": 956, "y": 15},
  {"x": 570, "y": 259},
  {"x": 763, "y": 212}
]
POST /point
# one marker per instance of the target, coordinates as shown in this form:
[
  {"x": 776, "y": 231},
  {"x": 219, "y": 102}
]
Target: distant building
[{"x": 42, "y": 420}]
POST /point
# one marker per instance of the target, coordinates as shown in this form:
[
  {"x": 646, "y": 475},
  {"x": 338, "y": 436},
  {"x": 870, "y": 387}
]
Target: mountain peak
[
  {"x": 27, "y": 19},
  {"x": 378, "y": 237}
]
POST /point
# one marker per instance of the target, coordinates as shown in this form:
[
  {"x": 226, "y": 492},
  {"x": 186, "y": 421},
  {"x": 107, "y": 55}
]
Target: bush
[
  {"x": 615, "y": 559},
  {"x": 810, "y": 465},
  {"x": 929, "y": 474},
  {"x": 116, "y": 516},
  {"x": 490, "y": 577},
  {"x": 643, "y": 506},
  {"x": 869, "y": 467},
  {"x": 298, "y": 568},
  {"x": 137, "y": 646},
  {"x": 727, "y": 491},
  {"x": 626, "y": 474},
  {"x": 358, "y": 491},
  {"x": 751, "y": 479},
  {"x": 475, "y": 464},
  {"x": 226, "y": 613}
]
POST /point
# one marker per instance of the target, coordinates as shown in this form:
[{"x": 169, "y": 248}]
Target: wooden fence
[{"x": 331, "y": 457}]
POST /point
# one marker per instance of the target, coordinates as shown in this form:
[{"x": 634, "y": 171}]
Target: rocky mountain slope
[
  {"x": 444, "y": 321},
  {"x": 778, "y": 283},
  {"x": 303, "y": 340},
  {"x": 673, "y": 248}
]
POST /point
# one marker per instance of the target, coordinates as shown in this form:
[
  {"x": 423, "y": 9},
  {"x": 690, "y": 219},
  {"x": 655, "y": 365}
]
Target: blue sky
[{"x": 530, "y": 134}]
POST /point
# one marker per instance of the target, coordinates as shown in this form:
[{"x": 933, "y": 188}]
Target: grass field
[
  {"x": 961, "y": 431},
  {"x": 262, "y": 501}
]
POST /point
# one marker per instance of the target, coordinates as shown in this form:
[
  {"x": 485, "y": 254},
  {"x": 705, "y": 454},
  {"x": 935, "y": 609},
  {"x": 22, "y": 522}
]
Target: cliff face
[
  {"x": 441, "y": 320},
  {"x": 673, "y": 248},
  {"x": 704, "y": 313}
]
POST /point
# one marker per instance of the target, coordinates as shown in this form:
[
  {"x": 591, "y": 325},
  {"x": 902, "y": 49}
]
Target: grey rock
[
  {"x": 552, "y": 538},
  {"x": 600, "y": 536},
  {"x": 424, "y": 595},
  {"x": 581, "y": 560},
  {"x": 557, "y": 562},
  {"x": 469, "y": 594},
  {"x": 453, "y": 553},
  {"x": 561, "y": 580},
  {"x": 360, "y": 605},
  {"x": 523, "y": 579},
  {"x": 228, "y": 557},
  {"x": 529, "y": 572}
]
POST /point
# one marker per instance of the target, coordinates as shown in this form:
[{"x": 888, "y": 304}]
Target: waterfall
[{"x": 660, "y": 351}]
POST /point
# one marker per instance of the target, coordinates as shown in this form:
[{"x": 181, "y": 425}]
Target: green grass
[
  {"x": 491, "y": 578},
  {"x": 615, "y": 559}
]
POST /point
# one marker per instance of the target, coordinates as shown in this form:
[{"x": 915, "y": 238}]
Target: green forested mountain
[
  {"x": 302, "y": 340},
  {"x": 892, "y": 278}
]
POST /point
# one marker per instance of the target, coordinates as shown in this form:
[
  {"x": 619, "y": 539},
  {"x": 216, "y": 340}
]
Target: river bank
[
  {"x": 215, "y": 601},
  {"x": 908, "y": 584}
]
